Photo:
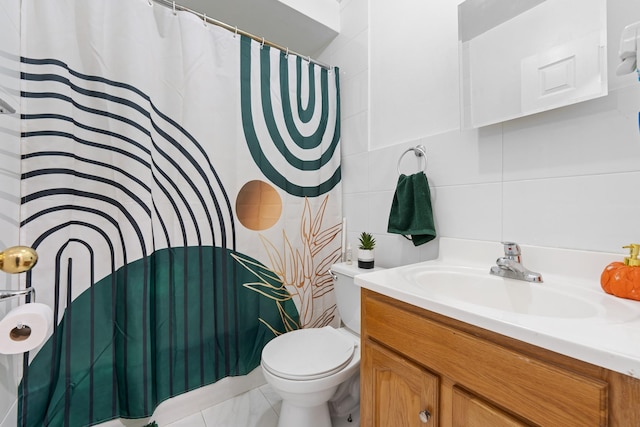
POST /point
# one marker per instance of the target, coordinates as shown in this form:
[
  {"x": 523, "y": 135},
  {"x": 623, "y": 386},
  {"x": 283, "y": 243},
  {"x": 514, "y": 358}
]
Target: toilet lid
[{"x": 308, "y": 354}]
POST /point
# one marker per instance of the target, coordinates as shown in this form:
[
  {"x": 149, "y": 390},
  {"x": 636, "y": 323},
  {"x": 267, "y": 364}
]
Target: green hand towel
[{"x": 411, "y": 212}]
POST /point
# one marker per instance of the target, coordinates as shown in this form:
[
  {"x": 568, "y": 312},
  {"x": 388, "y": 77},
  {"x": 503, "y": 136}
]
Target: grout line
[
  {"x": 204, "y": 421},
  {"x": 271, "y": 405},
  {"x": 180, "y": 421}
]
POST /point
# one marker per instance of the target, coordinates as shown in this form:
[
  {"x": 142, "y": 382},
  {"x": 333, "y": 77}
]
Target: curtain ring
[
  {"x": 235, "y": 32},
  {"x": 204, "y": 19},
  {"x": 174, "y": 8},
  {"x": 262, "y": 44},
  {"x": 309, "y": 60},
  {"x": 286, "y": 55}
]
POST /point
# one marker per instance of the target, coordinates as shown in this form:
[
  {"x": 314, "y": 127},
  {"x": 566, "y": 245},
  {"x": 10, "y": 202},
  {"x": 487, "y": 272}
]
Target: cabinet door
[
  {"x": 470, "y": 411},
  {"x": 398, "y": 393}
]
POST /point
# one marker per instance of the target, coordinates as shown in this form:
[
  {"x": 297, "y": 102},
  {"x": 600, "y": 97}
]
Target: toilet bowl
[
  {"x": 306, "y": 367},
  {"x": 305, "y": 391}
]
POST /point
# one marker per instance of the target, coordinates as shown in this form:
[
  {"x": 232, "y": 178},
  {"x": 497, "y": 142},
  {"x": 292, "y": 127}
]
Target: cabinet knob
[{"x": 424, "y": 416}]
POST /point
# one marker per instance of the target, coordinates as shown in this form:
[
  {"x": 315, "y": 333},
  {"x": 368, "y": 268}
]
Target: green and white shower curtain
[{"x": 181, "y": 185}]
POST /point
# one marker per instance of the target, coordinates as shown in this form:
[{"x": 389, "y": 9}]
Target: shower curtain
[{"x": 181, "y": 185}]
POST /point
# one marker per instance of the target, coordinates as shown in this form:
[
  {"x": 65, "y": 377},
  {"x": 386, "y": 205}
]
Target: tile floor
[{"x": 256, "y": 408}]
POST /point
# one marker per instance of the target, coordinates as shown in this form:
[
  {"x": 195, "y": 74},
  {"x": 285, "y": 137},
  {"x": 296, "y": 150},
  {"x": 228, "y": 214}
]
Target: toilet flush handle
[{"x": 334, "y": 276}]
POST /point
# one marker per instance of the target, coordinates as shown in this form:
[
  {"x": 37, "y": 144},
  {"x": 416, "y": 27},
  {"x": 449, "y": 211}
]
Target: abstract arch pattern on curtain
[
  {"x": 274, "y": 134},
  {"x": 292, "y": 131},
  {"x": 179, "y": 226}
]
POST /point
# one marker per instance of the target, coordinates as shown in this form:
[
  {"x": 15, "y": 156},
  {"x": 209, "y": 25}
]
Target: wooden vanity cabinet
[{"x": 419, "y": 369}]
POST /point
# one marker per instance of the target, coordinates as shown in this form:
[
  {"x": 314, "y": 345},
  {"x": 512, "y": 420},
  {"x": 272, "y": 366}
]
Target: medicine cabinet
[{"x": 520, "y": 57}]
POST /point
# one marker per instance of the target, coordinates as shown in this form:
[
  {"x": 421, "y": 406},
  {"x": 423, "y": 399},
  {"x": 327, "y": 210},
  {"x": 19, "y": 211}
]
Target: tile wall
[
  {"x": 9, "y": 188},
  {"x": 564, "y": 178}
]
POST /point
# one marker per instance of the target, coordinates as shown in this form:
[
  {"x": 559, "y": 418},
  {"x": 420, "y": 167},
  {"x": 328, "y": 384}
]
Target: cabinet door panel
[
  {"x": 501, "y": 375},
  {"x": 471, "y": 411},
  {"x": 400, "y": 390}
]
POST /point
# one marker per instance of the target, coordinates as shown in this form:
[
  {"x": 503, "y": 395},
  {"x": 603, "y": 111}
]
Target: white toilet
[{"x": 306, "y": 367}]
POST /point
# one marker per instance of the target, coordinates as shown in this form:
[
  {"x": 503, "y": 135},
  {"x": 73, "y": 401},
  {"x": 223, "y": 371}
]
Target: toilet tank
[{"x": 348, "y": 293}]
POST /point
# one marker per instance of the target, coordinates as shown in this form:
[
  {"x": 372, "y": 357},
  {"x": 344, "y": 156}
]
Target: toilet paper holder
[
  {"x": 18, "y": 259},
  {"x": 6, "y": 294}
]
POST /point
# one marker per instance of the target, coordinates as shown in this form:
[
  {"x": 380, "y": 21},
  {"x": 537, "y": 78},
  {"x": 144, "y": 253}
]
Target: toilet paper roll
[{"x": 25, "y": 328}]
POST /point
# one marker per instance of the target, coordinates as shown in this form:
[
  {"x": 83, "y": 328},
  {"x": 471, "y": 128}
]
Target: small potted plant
[{"x": 365, "y": 250}]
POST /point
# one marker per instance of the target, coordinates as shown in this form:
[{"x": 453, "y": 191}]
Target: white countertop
[{"x": 608, "y": 337}]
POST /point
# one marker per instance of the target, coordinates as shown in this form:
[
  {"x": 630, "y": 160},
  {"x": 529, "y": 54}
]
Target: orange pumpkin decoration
[{"x": 622, "y": 279}]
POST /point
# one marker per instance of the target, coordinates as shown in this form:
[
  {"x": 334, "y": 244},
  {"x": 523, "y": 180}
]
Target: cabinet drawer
[{"x": 536, "y": 391}]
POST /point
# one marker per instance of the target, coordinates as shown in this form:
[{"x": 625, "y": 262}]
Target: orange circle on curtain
[{"x": 258, "y": 205}]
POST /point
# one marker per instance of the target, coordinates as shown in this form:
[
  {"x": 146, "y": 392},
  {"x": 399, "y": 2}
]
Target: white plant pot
[{"x": 365, "y": 258}]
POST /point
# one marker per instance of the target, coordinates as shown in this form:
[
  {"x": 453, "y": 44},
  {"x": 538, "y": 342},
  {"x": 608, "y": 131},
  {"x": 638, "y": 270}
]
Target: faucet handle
[{"x": 512, "y": 250}]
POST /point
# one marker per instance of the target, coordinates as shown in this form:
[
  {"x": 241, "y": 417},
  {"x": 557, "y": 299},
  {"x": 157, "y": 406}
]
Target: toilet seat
[{"x": 308, "y": 354}]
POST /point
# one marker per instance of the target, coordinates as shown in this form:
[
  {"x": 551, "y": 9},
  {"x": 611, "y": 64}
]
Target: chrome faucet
[{"x": 510, "y": 265}]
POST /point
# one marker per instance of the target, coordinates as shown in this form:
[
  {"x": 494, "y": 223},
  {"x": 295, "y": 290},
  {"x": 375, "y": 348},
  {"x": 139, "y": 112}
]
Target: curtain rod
[{"x": 173, "y": 5}]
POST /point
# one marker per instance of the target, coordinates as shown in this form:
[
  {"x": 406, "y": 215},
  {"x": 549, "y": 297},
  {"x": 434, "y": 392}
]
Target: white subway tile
[
  {"x": 354, "y": 134},
  {"x": 355, "y": 208},
  {"x": 380, "y": 209},
  {"x": 355, "y": 173},
  {"x": 593, "y": 137},
  {"x": 468, "y": 211},
  {"x": 383, "y": 166},
  {"x": 352, "y": 57},
  {"x": 354, "y": 93},
  {"x": 464, "y": 156},
  {"x": 393, "y": 250},
  {"x": 596, "y": 212},
  {"x": 353, "y": 20}
]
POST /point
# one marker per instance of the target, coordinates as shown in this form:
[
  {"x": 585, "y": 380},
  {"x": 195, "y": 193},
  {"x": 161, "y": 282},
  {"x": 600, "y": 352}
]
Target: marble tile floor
[{"x": 256, "y": 408}]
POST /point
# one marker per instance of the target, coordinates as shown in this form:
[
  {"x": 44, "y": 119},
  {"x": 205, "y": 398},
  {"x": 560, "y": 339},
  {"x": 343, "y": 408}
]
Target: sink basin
[{"x": 476, "y": 288}]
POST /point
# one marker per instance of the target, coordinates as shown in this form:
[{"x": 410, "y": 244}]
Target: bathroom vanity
[
  {"x": 429, "y": 359},
  {"x": 414, "y": 360}
]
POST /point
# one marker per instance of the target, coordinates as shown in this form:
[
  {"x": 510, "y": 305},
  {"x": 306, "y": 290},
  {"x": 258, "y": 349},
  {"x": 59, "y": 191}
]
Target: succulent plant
[{"x": 367, "y": 242}]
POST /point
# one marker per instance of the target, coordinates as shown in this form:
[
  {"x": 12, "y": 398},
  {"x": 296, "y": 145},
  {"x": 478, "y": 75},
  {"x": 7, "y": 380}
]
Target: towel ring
[{"x": 419, "y": 151}]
